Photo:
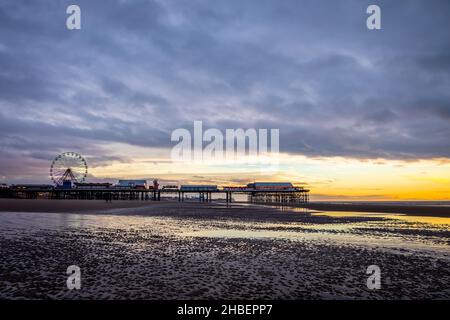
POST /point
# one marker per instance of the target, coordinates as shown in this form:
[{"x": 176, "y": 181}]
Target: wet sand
[
  {"x": 61, "y": 206},
  {"x": 422, "y": 210},
  {"x": 209, "y": 251}
]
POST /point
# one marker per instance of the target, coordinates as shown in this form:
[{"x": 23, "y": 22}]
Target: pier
[{"x": 290, "y": 195}]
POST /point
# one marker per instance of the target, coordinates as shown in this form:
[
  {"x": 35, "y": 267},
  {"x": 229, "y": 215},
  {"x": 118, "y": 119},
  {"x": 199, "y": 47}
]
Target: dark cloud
[{"x": 139, "y": 69}]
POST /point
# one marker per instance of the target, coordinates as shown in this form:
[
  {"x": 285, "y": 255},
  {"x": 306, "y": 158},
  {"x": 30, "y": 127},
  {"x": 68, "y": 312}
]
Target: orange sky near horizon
[{"x": 332, "y": 178}]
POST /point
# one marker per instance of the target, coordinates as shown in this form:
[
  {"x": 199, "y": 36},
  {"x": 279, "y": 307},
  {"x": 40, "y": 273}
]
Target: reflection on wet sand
[
  {"x": 399, "y": 216},
  {"x": 231, "y": 252}
]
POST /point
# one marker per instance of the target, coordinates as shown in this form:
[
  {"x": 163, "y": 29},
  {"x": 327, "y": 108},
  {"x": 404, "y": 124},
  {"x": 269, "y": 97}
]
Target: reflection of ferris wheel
[{"x": 68, "y": 166}]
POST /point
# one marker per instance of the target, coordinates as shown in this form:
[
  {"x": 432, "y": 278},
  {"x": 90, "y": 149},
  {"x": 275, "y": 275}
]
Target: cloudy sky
[{"x": 363, "y": 114}]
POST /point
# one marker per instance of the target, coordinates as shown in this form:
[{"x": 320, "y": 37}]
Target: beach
[
  {"x": 169, "y": 250},
  {"x": 67, "y": 206},
  {"x": 45, "y": 205}
]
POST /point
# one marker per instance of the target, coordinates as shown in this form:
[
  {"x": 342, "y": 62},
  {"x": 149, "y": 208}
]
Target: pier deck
[{"x": 298, "y": 195}]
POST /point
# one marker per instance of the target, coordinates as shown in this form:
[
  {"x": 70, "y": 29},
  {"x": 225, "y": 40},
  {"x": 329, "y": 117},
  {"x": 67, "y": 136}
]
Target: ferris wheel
[{"x": 68, "y": 166}]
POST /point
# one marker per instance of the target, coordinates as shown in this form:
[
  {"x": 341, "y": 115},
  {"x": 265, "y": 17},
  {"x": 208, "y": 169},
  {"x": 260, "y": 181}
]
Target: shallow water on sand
[
  {"x": 398, "y": 232},
  {"x": 398, "y": 216}
]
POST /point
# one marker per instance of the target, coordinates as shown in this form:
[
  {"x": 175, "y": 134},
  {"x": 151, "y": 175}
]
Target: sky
[{"x": 362, "y": 114}]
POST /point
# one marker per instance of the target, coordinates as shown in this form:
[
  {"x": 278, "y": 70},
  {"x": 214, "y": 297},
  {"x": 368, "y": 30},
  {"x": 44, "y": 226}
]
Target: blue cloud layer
[{"x": 139, "y": 69}]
